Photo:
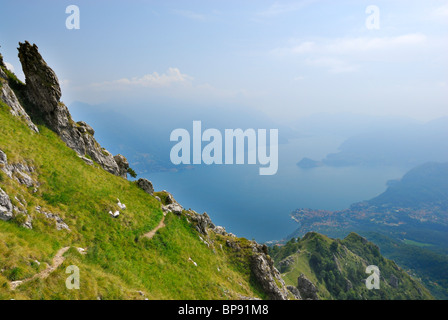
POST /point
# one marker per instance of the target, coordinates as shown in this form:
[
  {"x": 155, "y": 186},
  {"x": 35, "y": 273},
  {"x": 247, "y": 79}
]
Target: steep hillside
[
  {"x": 422, "y": 187},
  {"x": 324, "y": 268},
  {"x": 409, "y": 221},
  {"x": 65, "y": 201}
]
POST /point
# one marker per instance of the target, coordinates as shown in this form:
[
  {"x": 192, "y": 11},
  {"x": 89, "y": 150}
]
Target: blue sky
[{"x": 287, "y": 59}]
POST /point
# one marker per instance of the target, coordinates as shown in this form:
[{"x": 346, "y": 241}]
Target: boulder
[
  {"x": 145, "y": 185},
  {"x": 307, "y": 289}
]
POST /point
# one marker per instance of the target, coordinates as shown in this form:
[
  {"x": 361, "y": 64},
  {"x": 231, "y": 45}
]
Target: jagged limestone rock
[
  {"x": 123, "y": 165},
  {"x": 220, "y": 230},
  {"x": 233, "y": 244},
  {"x": 285, "y": 264},
  {"x": 17, "y": 171},
  {"x": 307, "y": 289},
  {"x": 295, "y": 292},
  {"x": 171, "y": 205},
  {"x": 85, "y": 128},
  {"x": 145, "y": 185},
  {"x": 268, "y": 276},
  {"x": 43, "y": 93},
  {"x": 203, "y": 222},
  {"x": 6, "y": 208},
  {"x": 60, "y": 224}
]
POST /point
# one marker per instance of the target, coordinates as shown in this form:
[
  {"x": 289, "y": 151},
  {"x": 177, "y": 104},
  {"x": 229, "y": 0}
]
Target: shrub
[{"x": 132, "y": 173}]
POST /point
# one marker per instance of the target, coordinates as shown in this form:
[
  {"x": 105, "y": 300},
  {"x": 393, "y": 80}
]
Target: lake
[{"x": 258, "y": 207}]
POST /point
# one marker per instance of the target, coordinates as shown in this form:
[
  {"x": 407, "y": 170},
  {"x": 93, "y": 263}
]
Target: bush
[{"x": 132, "y": 173}]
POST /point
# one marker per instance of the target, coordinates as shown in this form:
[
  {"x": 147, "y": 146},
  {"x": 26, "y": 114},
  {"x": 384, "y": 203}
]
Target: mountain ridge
[
  {"x": 65, "y": 201},
  {"x": 69, "y": 200}
]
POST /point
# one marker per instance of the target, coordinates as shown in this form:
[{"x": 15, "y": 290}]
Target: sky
[{"x": 285, "y": 59}]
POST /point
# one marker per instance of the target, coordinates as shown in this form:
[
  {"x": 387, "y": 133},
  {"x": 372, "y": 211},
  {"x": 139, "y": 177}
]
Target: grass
[
  {"x": 329, "y": 264},
  {"x": 119, "y": 261},
  {"x": 416, "y": 243}
]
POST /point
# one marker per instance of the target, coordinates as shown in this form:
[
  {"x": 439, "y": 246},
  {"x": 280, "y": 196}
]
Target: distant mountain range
[
  {"x": 142, "y": 131},
  {"x": 410, "y": 216}
]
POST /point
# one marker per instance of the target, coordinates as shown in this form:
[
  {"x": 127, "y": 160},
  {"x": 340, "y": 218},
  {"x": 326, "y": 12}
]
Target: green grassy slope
[
  {"x": 119, "y": 261},
  {"x": 337, "y": 268}
]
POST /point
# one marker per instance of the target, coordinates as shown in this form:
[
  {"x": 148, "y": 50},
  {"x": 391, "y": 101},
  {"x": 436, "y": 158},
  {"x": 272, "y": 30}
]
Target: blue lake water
[{"x": 258, "y": 207}]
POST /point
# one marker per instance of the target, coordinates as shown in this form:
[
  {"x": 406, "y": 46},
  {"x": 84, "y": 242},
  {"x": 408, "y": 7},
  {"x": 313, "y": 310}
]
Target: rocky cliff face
[{"x": 41, "y": 95}]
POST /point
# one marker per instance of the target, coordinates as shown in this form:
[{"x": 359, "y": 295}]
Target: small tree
[{"x": 132, "y": 173}]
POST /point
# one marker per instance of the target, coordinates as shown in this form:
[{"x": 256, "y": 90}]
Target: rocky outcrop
[
  {"x": 123, "y": 165},
  {"x": 145, "y": 185},
  {"x": 393, "y": 281},
  {"x": 203, "y": 222},
  {"x": 307, "y": 289},
  {"x": 42, "y": 94},
  {"x": 171, "y": 205},
  {"x": 268, "y": 276},
  {"x": 285, "y": 264},
  {"x": 60, "y": 224},
  {"x": 8, "y": 96},
  {"x": 6, "y": 207},
  {"x": 18, "y": 171},
  {"x": 295, "y": 292}
]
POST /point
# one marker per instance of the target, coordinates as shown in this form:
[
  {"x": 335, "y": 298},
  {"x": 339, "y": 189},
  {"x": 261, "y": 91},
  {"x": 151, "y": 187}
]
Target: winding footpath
[
  {"x": 57, "y": 261},
  {"x": 151, "y": 233}
]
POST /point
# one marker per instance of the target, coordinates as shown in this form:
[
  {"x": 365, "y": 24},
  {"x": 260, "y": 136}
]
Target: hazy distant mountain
[
  {"x": 346, "y": 125},
  {"x": 401, "y": 144},
  {"x": 142, "y": 131},
  {"x": 426, "y": 185}
]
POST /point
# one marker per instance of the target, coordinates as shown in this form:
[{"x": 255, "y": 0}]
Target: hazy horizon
[{"x": 285, "y": 59}]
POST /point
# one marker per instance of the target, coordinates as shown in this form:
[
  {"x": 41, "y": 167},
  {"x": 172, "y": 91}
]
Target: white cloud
[
  {"x": 441, "y": 12},
  {"x": 333, "y": 65},
  {"x": 281, "y": 8},
  {"x": 347, "y": 46},
  {"x": 191, "y": 15},
  {"x": 346, "y": 54},
  {"x": 152, "y": 80}
]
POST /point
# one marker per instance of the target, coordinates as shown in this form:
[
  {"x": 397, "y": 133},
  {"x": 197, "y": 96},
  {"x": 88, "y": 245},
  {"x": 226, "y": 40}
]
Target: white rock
[
  {"x": 114, "y": 214},
  {"x": 121, "y": 205},
  {"x": 195, "y": 264}
]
